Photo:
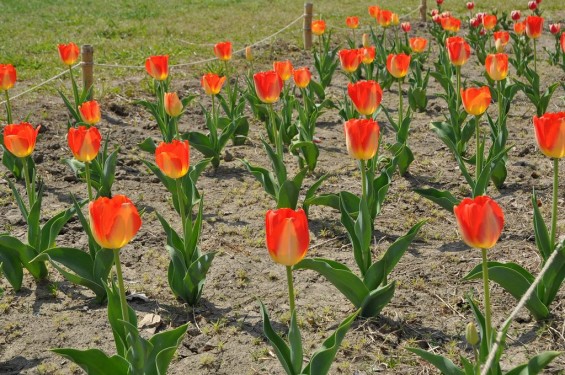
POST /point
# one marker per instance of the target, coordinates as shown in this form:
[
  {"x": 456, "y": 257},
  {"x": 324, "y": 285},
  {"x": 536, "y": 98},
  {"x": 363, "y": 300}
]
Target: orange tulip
[
  {"x": 451, "y": 24},
  {"x": 114, "y": 221},
  {"x": 394, "y": 19},
  {"x": 563, "y": 42},
  {"x": 287, "y": 235},
  {"x": 366, "y": 96},
  {"x": 384, "y": 18},
  {"x": 497, "y": 66},
  {"x": 550, "y": 134},
  {"x": 222, "y": 51},
  {"x": 268, "y": 86},
  {"x": 283, "y": 69},
  {"x": 365, "y": 40},
  {"x": 476, "y": 100},
  {"x": 534, "y": 26},
  {"x": 362, "y": 138},
  {"x": 84, "y": 142},
  {"x": 173, "y": 105},
  {"x": 374, "y": 11},
  {"x": 350, "y": 59},
  {"x": 158, "y": 67},
  {"x": 302, "y": 77},
  {"x": 418, "y": 45},
  {"x": 173, "y": 158},
  {"x": 20, "y": 138},
  {"x": 489, "y": 21},
  {"x": 90, "y": 112},
  {"x": 458, "y": 49},
  {"x": 520, "y": 27},
  {"x": 212, "y": 83},
  {"x": 502, "y": 37},
  {"x": 480, "y": 221},
  {"x": 248, "y": 53},
  {"x": 367, "y": 55},
  {"x": 7, "y": 76},
  {"x": 398, "y": 65},
  {"x": 318, "y": 27},
  {"x": 68, "y": 53},
  {"x": 352, "y": 22}
]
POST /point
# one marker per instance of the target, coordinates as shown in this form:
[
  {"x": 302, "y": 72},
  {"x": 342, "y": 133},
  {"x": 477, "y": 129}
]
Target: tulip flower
[
  {"x": 20, "y": 139},
  {"x": 362, "y": 138},
  {"x": 458, "y": 49},
  {"x": 302, "y": 77},
  {"x": 532, "y": 5},
  {"x": 476, "y": 100},
  {"x": 538, "y": 1},
  {"x": 283, "y": 69},
  {"x": 418, "y": 45},
  {"x": 434, "y": 12},
  {"x": 248, "y": 54},
  {"x": 480, "y": 221},
  {"x": 212, "y": 83},
  {"x": 489, "y": 21},
  {"x": 352, "y": 22},
  {"x": 439, "y": 2},
  {"x": 395, "y": 20},
  {"x": 367, "y": 55},
  {"x": 555, "y": 28},
  {"x": 374, "y": 11},
  {"x": 550, "y": 134},
  {"x": 520, "y": 28},
  {"x": 501, "y": 37},
  {"x": 158, "y": 67},
  {"x": 397, "y": 65},
  {"x": 384, "y": 18},
  {"x": 173, "y": 105},
  {"x": 480, "y": 16},
  {"x": 451, "y": 24},
  {"x": 350, "y": 59},
  {"x": 268, "y": 86},
  {"x": 437, "y": 19},
  {"x": 287, "y": 235},
  {"x": 474, "y": 22},
  {"x": 366, "y": 96},
  {"x": 405, "y": 26},
  {"x": 173, "y": 158},
  {"x": 534, "y": 26},
  {"x": 318, "y": 27},
  {"x": 515, "y": 15},
  {"x": 470, "y": 5},
  {"x": 223, "y": 51},
  {"x": 497, "y": 66},
  {"x": 8, "y": 76},
  {"x": 84, "y": 143},
  {"x": 114, "y": 221},
  {"x": 90, "y": 112},
  {"x": 365, "y": 40},
  {"x": 68, "y": 53}
]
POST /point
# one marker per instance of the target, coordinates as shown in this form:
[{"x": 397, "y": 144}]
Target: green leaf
[
  {"x": 164, "y": 346},
  {"x": 543, "y": 242},
  {"x": 534, "y": 365},
  {"x": 311, "y": 191},
  {"x": 322, "y": 359},
  {"x": 377, "y": 300},
  {"x": 19, "y": 200},
  {"x": 296, "y": 354},
  {"x": 443, "y": 198},
  {"x": 148, "y": 145},
  {"x": 363, "y": 232},
  {"x": 340, "y": 276},
  {"x": 11, "y": 266},
  {"x": 281, "y": 348},
  {"x": 445, "y": 365},
  {"x": 265, "y": 177},
  {"x": 26, "y": 254},
  {"x": 288, "y": 195},
  {"x": 95, "y": 361}
]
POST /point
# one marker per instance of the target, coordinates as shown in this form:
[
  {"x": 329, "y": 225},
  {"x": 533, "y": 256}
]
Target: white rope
[
  {"x": 119, "y": 66},
  {"x": 41, "y": 84},
  {"x": 521, "y": 304}
]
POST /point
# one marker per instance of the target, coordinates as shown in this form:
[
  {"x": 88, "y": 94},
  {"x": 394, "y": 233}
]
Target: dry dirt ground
[{"x": 225, "y": 335}]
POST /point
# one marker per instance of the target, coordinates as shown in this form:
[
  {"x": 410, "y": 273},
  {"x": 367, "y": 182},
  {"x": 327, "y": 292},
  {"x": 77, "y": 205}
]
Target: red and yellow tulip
[
  {"x": 173, "y": 158},
  {"x": 287, "y": 235},
  {"x": 480, "y": 221},
  {"x": 84, "y": 142},
  {"x": 362, "y": 138},
  {"x": 20, "y": 139},
  {"x": 114, "y": 221}
]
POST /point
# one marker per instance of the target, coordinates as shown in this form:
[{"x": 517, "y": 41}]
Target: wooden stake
[
  {"x": 308, "y": 12},
  {"x": 423, "y": 10},
  {"x": 87, "y": 67}
]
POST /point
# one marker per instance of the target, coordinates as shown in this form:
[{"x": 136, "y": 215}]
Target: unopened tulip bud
[
  {"x": 446, "y": 14},
  {"x": 471, "y": 334},
  {"x": 470, "y": 5},
  {"x": 499, "y": 45},
  {"x": 555, "y": 28},
  {"x": 480, "y": 16},
  {"x": 436, "y": 18},
  {"x": 538, "y": 1},
  {"x": 405, "y": 26},
  {"x": 533, "y": 5},
  {"x": 434, "y": 12},
  {"x": 474, "y": 22},
  {"x": 483, "y": 32},
  {"x": 248, "y": 54},
  {"x": 366, "y": 40},
  {"x": 515, "y": 14},
  {"x": 173, "y": 105},
  {"x": 395, "y": 20},
  {"x": 439, "y": 2}
]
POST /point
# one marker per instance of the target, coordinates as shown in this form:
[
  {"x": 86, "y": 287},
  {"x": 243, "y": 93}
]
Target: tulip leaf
[
  {"x": 148, "y": 145},
  {"x": 26, "y": 254},
  {"x": 164, "y": 346},
  {"x": 288, "y": 195},
  {"x": 543, "y": 242},
  {"x": 340, "y": 276},
  {"x": 444, "y": 198},
  {"x": 108, "y": 174},
  {"x": 311, "y": 191},
  {"x": 296, "y": 354},
  {"x": 322, "y": 359},
  {"x": 380, "y": 189},
  {"x": 516, "y": 281},
  {"x": 281, "y": 348},
  {"x": 554, "y": 276},
  {"x": 445, "y": 365},
  {"x": 310, "y": 152},
  {"x": 202, "y": 143},
  {"x": 352, "y": 230},
  {"x": 53, "y": 226},
  {"x": 403, "y": 156},
  {"x": 278, "y": 165},
  {"x": 196, "y": 273},
  {"x": 115, "y": 318},
  {"x": 265, "y": 177},
  {"x": 377, "y": 300},
  {"x": 535, "y": 365},
  {"x": 11, "y": 266},
  {"x": 95, "y": 361},
  {"x": 363, "y": 232},
  {"x": 19, "y": 200}
]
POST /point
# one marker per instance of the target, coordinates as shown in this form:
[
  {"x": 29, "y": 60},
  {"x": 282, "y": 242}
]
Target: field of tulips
[{"x": 381, "y": 203}]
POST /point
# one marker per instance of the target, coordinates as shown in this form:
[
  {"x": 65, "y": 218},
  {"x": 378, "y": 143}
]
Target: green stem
[
  {"x": 214, "y": 134},
  {"x": 499, "y": 87},
  {"x": 27, "y": 177},
  {"x": 8, "y": 107},
  {"x": 458, "y": 94},
  {"x": 478, "y": 154},
  {"x": 75, "y": 89},
  {"x": 363, "y": 179},
  {"x": 276, "y": 132},
  {"x": 400, "y": 110},
  {"x": 180, "y": 197},
  {"x": 354, "y": 39},
  {"x": 554, "y": 207},
  {"x": 535, "y": 58},
  {"x": 88, "y": 182},
  {"x": 488, "y": 326},
  {"x": 322, "y": 59},
  {"x": 122, "y": 290},
  {"x": 290, "y": 288}
]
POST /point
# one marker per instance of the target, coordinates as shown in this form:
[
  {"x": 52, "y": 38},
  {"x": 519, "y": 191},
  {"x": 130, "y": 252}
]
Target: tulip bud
[
  {"x": 406, "y": 26},
  {"x": 471, "y": 334},
  {"x": 483, "y": 32},
  {"x": 515, "y": 14},
  {"x": 533, "y": 5},
  {"x": 474, "y": 22},
  {"x": 499, "y": 45},
  {"x": 436, "y": 18},
  {"x": 366, "y": 40},
  {"x": 434, "y": 12},
  {"x": 555, "y": 28},
  {"x": 395, "y": 20},
  {"x": 439, "y": 2},
  {"x": 446, "y": 14},
  {"x": 480, "y": 16},
  {"x": 470, "y": 5},
  {"x": 173, "y": 105},
  {"x": 538, "y": 1},
  {"x": 248, "y": 54}
]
